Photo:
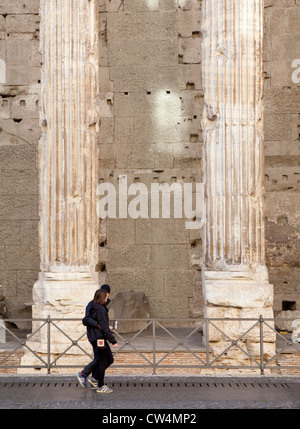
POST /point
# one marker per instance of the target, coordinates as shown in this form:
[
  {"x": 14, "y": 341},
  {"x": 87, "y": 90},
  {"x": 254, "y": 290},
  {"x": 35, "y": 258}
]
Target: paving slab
[{"x": 151, "y": 393}]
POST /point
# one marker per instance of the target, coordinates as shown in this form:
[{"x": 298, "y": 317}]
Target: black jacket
[
  {"x": 87, "y": 320},
  {"x": 99, "y": 315}
]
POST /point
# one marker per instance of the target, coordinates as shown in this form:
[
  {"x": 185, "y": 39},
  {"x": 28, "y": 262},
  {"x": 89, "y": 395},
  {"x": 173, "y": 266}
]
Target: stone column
[
  {"x": 68, "y": 231},
  {"x": 235, "y": 278}
]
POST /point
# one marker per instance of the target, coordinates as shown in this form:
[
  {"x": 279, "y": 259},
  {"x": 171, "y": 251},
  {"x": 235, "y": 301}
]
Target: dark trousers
[
  {"x": 102, "y": 360},
  {"x": 91, "y": 367}
]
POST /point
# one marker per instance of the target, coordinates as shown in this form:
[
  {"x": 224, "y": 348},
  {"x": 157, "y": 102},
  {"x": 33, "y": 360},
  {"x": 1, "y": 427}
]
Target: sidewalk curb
[{"x": 158, "y": 378}]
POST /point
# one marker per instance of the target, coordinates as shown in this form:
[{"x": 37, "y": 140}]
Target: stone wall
[
  {"x": 282, "y": 155},
  {"x": 20, "y": 66},
  {"x": 151, "y": 107}
]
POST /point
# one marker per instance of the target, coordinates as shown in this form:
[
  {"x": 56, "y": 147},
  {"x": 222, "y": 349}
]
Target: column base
[
  {"x": 239, "y": 289},
  {"x": 238, "y": 295},
  {"x": 62, "y": 296}
]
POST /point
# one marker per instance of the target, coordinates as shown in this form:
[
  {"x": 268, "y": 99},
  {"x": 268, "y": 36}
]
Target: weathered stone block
[
  {"x": 106, "y": 130},
  {"x": 168, "y": 308},
  {"x": 168, "y": 5},
  {"x": 17, "y": 75},
  {"x": 35, "y": 58},
  {"x": 120, "y": 231},
  {"x": 138, "y": 78},
  {"x": 296, "y": 331},
  {"x": 280, "y": 73},
  {"x": 283, "y": 100},
  {"x": 124, "y": 130},
  {"x": 278, "y": 126},
  {"x": 17, "y": 157},
  {"x": 10, "y": 232},
  {"x": 151, "y": 281},
  {"x": 2, "y": 296},
  {"x": 25, "y": 106},
  {"x": 179, "y": 283},
  {"x": 124, "y": 256},
  {"x": 105, "y": 105},
  {"x": 23, "y": 312},
  {"x": 150, "y": 52},
  {"x": 190, "y": 77},
  {"x": 141, "y": 155},
  {"x": 5, "y": 112},
  {"x": 18, "y": 53},
  {"x": 235, "y": 327},
  {"x": 142, "y": 26},
  {"x": 2, "y": 332},
  {"x": 22, "y": 257},
  {"x": 161, "y": 231},
  {"x": 170, "y": 256},
  {"x": 2, "y": 308},
  {"x": 163, "y": 155},
  {"x": 25, "y": 281},
  {"x": 141, "y": 6},
  {"x": 283, "y": 204},
  {"x": 17, "y": 133},
  {"x": 122, "y": 153},
  {"x": 276, "y": 20},
  {"x": 234, "y": 289},
  {"x": 285, "y": 319},
  {"x": 130, "y": 305},
  {"x": 1, "y": 257},
  {"x": 25, "y": 23},
  {"x": 123, "y": 280},
  {"x": 190, "y": 49},
  {"x": 150, "y": 130},
  {"x": 291, "y": 47},
  {"x": 18, "y": 206},
  {"x": 282, "y": 178},
  {"x": 293, "y": 19},
  {"x": 29, "y": 232},
  {"x": 19, "y": 6},
  {"x": 160, "y": 105},
  {"x": 287, "y": 148},
  {"x": 111, "y": 6},
  {"x": 106, "y": 85},
  {"x": 189, "y": 23},
  {"x": 19, "y": 181}
]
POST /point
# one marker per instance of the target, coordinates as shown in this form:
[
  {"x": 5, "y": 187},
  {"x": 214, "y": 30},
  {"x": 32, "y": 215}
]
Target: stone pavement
[{"x": 151, "y": 393}]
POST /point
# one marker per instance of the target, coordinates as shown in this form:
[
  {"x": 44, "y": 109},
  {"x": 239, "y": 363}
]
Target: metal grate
[
  {"x": 23, "y": 385},
  {"x": 146, "y": 385}
]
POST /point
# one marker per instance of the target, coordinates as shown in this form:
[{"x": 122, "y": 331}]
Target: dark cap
[{"x": 106, "y": 287}]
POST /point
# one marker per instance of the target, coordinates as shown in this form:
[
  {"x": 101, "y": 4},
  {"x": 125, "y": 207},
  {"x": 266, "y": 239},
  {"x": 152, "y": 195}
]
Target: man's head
[{"x": 106, "y": 288}]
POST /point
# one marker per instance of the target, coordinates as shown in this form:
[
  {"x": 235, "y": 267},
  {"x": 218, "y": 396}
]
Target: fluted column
[
  {"x": 234, "y": 159},
  {"x": 68, "y": 150},
  {"x": 68, "y": 161},
  {"x": 234, "y": 275}
]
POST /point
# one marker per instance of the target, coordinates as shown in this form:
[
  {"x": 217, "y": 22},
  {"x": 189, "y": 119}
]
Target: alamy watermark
[{"x": 153, "y": 203}]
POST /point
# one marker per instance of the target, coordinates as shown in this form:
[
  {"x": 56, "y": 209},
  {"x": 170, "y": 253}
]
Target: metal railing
[{"x": 157, "y": 341}]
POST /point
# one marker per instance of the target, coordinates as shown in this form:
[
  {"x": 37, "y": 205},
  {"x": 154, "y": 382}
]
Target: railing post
[
  {"x": 261, "y": 339},
  {"x": 154, "y": 344},
  {"x": 48, "y": 344},
  {"x": 207, "y": 340}
]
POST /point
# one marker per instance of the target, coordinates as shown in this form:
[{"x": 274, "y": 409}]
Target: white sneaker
[
  {"x": 104, "y": 389},
  {"x": 93, "y": 383},
  {"x": 81, "y": 379}
]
